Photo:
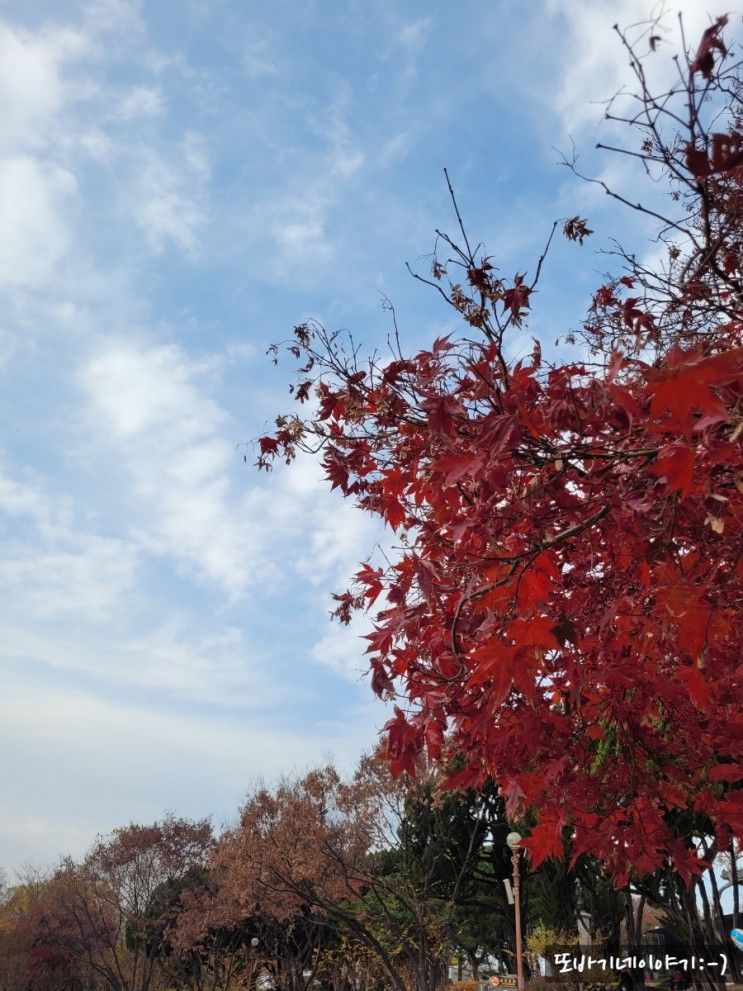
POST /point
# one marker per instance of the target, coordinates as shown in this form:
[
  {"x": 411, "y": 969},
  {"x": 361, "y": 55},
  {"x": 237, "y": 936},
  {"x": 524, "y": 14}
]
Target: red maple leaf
[
  {"x": 675, "y": 465},
  {"x": 704, "y": 60},
  {"x": 544, "y": 842}
]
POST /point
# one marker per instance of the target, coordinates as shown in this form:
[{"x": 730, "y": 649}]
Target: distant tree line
[{"x": 365, "y": 883}]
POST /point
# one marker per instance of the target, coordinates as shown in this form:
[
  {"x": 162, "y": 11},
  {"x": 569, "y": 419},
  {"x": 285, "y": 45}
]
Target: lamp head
[{"x": 513, "y": 840}]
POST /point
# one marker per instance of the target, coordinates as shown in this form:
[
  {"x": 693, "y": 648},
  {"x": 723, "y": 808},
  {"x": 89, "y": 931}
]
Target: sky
[{"x": 180, "y": 184}]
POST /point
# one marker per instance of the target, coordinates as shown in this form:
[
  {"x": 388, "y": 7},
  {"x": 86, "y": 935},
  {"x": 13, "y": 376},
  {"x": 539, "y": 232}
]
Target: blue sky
[{"x": 181, "y": 183}]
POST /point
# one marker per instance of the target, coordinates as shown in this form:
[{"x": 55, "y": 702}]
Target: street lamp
[
  {"x": 254, "y": 943},
  {"x": 513, "y": 841}
]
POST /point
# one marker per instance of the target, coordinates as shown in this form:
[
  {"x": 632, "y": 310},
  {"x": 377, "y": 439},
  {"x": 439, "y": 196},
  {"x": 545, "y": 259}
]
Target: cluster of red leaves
[
  {"x": 564, "y": 612},
  {"x": 574, "y": 577}
]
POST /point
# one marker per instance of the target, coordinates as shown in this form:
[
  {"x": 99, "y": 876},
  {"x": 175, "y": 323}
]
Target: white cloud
[
  {"x": 403, "y": 45},
  {"x": 81, "y": 744},
  {"x": 97, "y": 572},
  {"x": 63, "y": 569},
  {"x": 169, "y": 200},
  {"x": 21, "y": 498},
  {"x": 594, "y": 65},
  {"x": 412, "y": 35},
  {"x": 171, "y": 437},
  {"x": 344, "y": 158},
  {"x": 142, "y": 389},
  {"x": 119, "y": 22},
  {"x": 35, "y": 207},
  {"x": 298, "y": 227},
  {"x": 259, "y": 59},
  {"x": 395, "y": 149},
  {"x": 173, "y": 661},
  {"x": 343, "y": 650},
  {"x": 141, "y": 101},
  {"x": 196, "y": 156},
  {"x": 96, "y": 144},
  {"x": 31, "y": 85},
  {"x": 338, "y": 540},
  {"x": 322, "y": 534},
  {"x": 78, "y": 605},
  {"x": 293, "y": 219},
  {"x": 217, "y": 666},
  {"x": 161, "y": 184}
]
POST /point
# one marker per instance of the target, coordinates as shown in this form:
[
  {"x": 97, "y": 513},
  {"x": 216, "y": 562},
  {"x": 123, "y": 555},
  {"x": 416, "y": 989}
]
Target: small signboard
[{"x": 503, "y": 981}]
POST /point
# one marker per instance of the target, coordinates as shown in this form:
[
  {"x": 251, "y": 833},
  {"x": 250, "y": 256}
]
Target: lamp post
[
  {"x": 513, "y": 841},
  {"x": 253, "y": 960}
]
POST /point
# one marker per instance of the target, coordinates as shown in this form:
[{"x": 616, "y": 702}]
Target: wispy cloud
[
  {"x": 592, "y": 65},
  {"x": 169, "y": 200},
  {"x": 36, "y": 201},
  {"x": 83, "y": 747},
  {"x": 141, "y": 101},
  {"x": 259, "y": 58},
  {"x": 171, "y": 441},
  {"x": 32, "y": 84}
]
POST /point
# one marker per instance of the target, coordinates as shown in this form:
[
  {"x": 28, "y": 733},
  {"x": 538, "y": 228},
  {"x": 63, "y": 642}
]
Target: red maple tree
[{"x": 563, "y": 611}]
